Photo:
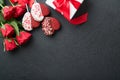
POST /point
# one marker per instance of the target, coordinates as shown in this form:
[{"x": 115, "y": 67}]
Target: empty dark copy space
[{"x": 90, "y": 51}]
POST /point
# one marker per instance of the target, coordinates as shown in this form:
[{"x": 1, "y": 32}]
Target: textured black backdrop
[{"x": 85, "y": 52}]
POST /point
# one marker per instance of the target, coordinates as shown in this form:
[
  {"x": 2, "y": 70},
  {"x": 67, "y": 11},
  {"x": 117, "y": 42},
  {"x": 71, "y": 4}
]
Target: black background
[{"x": 90, "y": 51}]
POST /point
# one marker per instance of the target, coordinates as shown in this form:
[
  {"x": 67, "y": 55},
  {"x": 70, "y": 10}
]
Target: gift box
[{"x": 75, "y": 11}]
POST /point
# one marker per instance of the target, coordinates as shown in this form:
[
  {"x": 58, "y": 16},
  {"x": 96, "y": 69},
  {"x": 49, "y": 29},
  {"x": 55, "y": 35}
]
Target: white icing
[
  {"x": 26, "y": 21},
  {"x": 36, "y": 12}
]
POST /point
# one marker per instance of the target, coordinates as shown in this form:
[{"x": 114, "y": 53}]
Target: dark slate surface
[{"x": 85, "y": 52}]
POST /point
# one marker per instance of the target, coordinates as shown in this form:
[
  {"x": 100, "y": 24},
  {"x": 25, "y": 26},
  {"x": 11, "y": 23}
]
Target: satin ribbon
[
  {"x": 80, "y": 19},
  {"x": 63, "y": 6}
]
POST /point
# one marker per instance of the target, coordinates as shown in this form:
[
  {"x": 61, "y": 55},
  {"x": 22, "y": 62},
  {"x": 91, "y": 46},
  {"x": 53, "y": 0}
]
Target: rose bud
[
  {"x": 19, "y": 10},
  {"x": 8, "y": 12},
  {"x": 9, "y": 44},
  {"x": 23, "y": 37},
  {"x": 7, "y": 30},
  {"x": 14, "y": 1},
  {"x": 23, "y": 2}
]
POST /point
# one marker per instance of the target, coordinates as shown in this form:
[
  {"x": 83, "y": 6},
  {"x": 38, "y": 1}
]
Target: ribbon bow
[{"x": 63, "y": 6}]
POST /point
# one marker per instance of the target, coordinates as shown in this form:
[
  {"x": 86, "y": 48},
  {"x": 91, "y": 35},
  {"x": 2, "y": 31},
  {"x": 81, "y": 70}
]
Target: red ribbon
[
  {"x": 63, "y": 6},
  {"x": 80, "y": 19}
]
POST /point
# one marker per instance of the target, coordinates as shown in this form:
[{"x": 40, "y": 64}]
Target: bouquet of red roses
[{"x": 10, "y": 29}]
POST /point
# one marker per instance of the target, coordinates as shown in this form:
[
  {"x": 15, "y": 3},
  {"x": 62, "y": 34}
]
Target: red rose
[
  {"x": 14, "y": 1},
  {"x": 19, "y": 10},
  {"x": 7, "y": 30},
  {"x": 8, "y": 12},
  {"x": 23, "y": 37},
  {"x": 30, "y": 3},
  {"x": 9, "y": 44},
  {"x": 23, "y": 2}
]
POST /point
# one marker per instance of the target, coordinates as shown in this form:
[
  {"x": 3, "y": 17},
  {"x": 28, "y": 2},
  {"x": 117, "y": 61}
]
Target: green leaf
[
  {"x": 19, "y": 23},
  {"x": 0, "y": 35},
  {"x": 2, "y": 18},
  {"x": 2, "y": 2},
  {"x": 15, "y": 25}
]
